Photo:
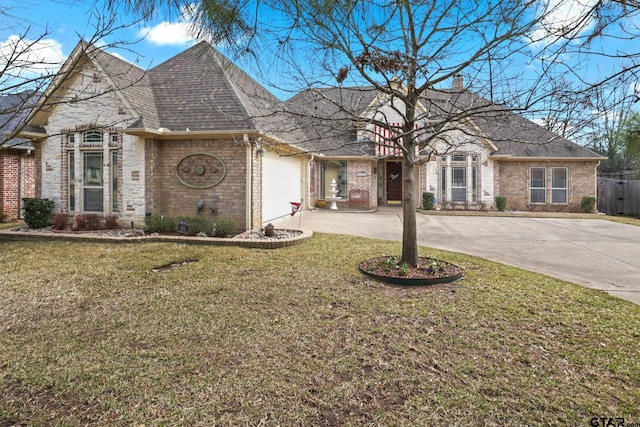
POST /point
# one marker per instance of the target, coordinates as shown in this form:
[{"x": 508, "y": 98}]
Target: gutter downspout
[
  {"x": 595, "y": 173},
  {"x": 21, "y": 181},
  {"x": 309, "y": 179},
  {"x": 248, "y": 183}
]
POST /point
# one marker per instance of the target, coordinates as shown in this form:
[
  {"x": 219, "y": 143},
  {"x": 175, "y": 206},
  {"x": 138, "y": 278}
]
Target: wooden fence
[{"x": 618, "y": 197}]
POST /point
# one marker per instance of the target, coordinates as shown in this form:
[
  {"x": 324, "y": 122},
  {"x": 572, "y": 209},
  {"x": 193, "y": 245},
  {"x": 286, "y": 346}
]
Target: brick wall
[
  {"x": 362, "y": 183},
  {"x": 513, "y": 183},
  {"x": 256, "y": 191},
  {"x": 166, "y": 195},
  {"x": 17, "y": 180}
]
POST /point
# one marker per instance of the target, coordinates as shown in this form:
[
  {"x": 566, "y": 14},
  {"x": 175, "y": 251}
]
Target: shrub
[
  {"x": 160, "y": 224},
  {"x": 428, "y": 199},
  {"x": 588, "y": 204},
  {"x": 60, "y": 221},
  {"x": 501, "y": 203},
  {"x": 197, "y": 224},
  {"x": 222, "y": 227},
  {"x": 111, "y": 222},
  {"x": 3, "y": 217},
  {"x": 37, "y": 211},
  {"x": 153, "y": 223},
  {"x": 78, "y": 223},
  {"x": 92, "y": 221}
]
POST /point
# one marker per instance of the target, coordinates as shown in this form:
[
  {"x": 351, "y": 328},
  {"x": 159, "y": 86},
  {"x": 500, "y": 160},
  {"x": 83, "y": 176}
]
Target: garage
[{"x": 281, "y": 183}]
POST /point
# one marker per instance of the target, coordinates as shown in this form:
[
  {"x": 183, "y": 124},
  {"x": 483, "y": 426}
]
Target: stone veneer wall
[
  {"x": 512, "y": 182},
  {"x": 98, "y": 107},
  {"x": 14, "y": 180},
  {"x": 166, "y": 195}
]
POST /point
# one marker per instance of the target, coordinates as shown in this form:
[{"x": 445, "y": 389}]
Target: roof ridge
[{"x": 193, "y": 90}]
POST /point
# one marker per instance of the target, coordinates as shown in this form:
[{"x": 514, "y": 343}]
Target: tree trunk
[{"x": 409, "y": 234}]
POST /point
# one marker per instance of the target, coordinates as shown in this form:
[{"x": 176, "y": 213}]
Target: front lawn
[{"x": 90, "y": 334}]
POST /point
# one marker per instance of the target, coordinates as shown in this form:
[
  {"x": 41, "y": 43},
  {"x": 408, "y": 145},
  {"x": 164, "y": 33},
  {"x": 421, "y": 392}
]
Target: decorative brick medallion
[{"x": 201, "y": 170}]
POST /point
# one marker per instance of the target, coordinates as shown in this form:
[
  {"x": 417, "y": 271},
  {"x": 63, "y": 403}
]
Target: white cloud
[
  {"x": 169, "y": 34},
  {"x": 173, "y": 33},
  {"x": 562, "y": 19},
  {"x": 25, "y": 57}
]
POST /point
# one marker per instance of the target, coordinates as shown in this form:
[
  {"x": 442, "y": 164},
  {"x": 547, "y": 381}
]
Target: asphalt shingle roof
[
  {"x": 198, "y": 89},
  {"x": 191, "y": 90},
  {"x": 512, "y": 134},
  {"x": 328, "y": 117},
  {"x": 14, "y": 108},
  {"x": 201, "y": 90}
]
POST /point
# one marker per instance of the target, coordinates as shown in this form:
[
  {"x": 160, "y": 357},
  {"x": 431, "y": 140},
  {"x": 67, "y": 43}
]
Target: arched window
[{"x": 92, "y": 137}]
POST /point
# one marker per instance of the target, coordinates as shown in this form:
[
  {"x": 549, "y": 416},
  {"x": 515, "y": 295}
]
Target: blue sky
[{"x": 68, "y": 20}]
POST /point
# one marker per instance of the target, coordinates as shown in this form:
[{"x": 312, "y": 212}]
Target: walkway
[{"x": 595, "y": 253}]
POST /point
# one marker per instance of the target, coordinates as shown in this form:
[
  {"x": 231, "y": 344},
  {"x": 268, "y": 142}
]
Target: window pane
[
  {"x": 92, "y": 137},
  {"x": 93, "y": 169},
  {"x": 474, "y": 184},
  {"x": 93, "y": 199},
  {"x": 559, "y": 178},
  {"x": 558, "y": 196},
  {"x": 72, "y": 182},
  {"x": 537, "y": 195},
  {"x": 443, "y": 184},
  {"x": 459, "y": 159},
  {"x": 459, "y": 177},
  {"x": 538, "y": 178},
  {"x": 459, "y": 194},
  {"x": 114, "y": 181}
]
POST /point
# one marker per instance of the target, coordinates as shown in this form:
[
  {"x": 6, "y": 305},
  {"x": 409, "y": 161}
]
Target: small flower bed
[{"x": 390, "y": 266}]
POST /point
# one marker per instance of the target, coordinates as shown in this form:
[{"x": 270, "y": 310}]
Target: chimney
[{"x": 457, "y": 82}]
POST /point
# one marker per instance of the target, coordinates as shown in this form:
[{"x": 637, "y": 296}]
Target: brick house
[
  {"x": 474, "y": 158},
  {"x": 17, "y": 159},
  {"x": 196, "y": 135}
]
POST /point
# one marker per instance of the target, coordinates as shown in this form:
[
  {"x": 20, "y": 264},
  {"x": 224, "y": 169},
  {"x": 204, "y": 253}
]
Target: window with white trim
[
  {"x": 71, "y": 177},
  {"x": 559, "y": 185},
  {"x": 459, "y": 178},
  {"x": 92, "y": 138},
  {"x": 93, "y": 166},
  {"x": 114, "y": 182},
  {"x": 458, "y": 183},
  {"x": 538, "y": 185}
]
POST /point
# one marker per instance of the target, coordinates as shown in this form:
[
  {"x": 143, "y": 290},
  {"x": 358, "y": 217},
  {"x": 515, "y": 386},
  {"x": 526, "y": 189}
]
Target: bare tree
[
  {"x": 613, "y": 130},
  {"x": 26, "y": 74},
  {"x": 511, "y": 54},
  {"x": 410, "y": 52},
  {"x": 515, "y": 55}
]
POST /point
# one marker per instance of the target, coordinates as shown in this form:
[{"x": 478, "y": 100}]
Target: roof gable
[
  {"x": 123, "y": 78},
  {"x": 505, "y": 133},
  {"x": 193, "y": 91}
]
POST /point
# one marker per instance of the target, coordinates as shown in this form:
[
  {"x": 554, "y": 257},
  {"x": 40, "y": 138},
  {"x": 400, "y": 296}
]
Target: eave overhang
[
  {"x": 507, "y": 158},
  {"x": 163, "y": 133}
]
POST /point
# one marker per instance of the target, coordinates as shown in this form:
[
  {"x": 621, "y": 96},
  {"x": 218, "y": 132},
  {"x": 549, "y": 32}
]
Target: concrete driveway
[{"x": 595, "y": 253}]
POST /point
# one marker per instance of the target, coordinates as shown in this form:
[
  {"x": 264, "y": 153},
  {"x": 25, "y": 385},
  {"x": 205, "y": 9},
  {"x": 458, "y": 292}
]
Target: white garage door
[{"x": 281, "y": 184}]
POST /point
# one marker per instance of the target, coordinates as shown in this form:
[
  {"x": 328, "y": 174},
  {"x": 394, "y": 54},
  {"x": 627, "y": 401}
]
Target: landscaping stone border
[{"x": 26, "y": 236}]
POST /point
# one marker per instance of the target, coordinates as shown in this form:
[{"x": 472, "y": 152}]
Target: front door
[
  {"x": 394, "y": 183},
  {"x": 93, "y": 181}
]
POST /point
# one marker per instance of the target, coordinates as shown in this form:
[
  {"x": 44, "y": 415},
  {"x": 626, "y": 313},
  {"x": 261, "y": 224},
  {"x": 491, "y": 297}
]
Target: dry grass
[
  {"x": 11, "y": 224},
  {"x": 90, "y": 335}
]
